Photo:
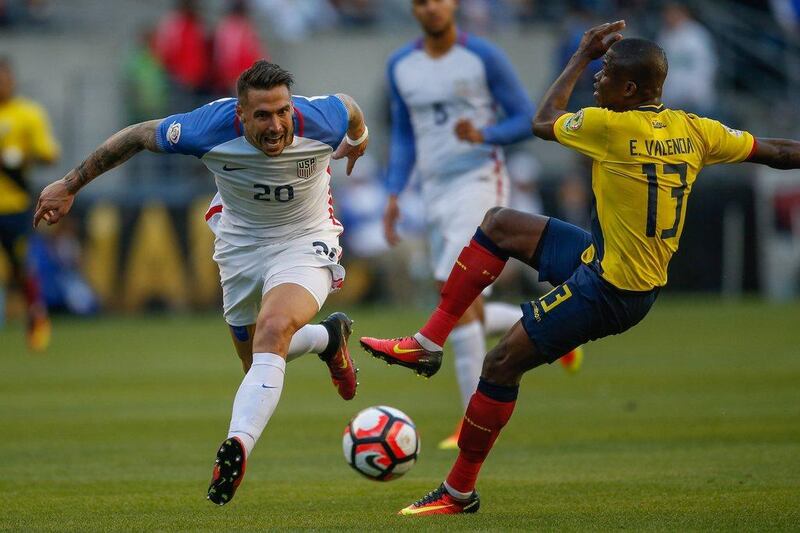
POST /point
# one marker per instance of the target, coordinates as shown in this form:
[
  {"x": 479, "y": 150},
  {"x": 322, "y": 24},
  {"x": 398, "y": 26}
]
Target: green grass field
[{"x": 689, "y": 422}]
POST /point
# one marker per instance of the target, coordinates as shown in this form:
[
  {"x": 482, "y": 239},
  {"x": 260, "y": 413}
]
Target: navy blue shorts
[
  {"x": 13, "y": 230},
  {"x": 583, "y": 306}
]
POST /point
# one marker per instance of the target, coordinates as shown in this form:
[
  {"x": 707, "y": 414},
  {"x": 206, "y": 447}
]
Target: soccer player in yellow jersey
[
  {"x": 646, "y": 158},
  {"x": 25, "y": 138}
]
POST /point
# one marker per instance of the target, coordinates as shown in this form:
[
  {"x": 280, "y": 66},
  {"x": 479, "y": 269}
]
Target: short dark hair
[
  {"x": 642, "y": 61},
  {"x": 262, "y": 75}
]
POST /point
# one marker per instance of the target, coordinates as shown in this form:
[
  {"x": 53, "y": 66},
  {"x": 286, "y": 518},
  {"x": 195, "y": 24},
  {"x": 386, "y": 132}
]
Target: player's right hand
[
  {"x": 596, "y": 41},
  {"x": 390, "y": 218},
  {"x": 54, "y": 202}
]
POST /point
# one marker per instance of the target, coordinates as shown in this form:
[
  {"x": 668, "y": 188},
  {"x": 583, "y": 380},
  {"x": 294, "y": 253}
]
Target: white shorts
[
  {"x": 247, "y": 273},
  {"x": 454, "y": 215}
]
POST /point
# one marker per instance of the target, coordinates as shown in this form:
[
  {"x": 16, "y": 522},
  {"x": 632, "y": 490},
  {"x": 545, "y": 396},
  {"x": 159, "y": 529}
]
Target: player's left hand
[
  {"x": 352, "y": 153},
  {"x": 466, "y": 131}
]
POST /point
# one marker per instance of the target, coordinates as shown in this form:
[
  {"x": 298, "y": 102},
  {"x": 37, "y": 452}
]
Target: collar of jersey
[{"x": 651, "y": 107}]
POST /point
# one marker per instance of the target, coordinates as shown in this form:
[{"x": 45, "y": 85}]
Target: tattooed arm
[{"x": 56, "y": 199}]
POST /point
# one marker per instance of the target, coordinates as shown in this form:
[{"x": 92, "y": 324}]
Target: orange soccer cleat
[
  {"x": 38, "y": 332},
  {"x": 451, "y": 442},
  {"x": 440, "y": 502},
  {"x": 404, "y": 351},
  {"x": 571, "y": 361}
]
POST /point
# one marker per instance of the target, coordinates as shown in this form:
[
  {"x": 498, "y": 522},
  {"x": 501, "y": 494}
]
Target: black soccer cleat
[
  {"x": 228, "y": 471},
  {"x": 337, "y": 357}
]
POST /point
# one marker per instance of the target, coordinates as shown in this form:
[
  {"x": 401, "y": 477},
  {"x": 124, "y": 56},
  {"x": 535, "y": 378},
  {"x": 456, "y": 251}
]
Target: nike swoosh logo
[
  {"x": 267, "y": 387},
  {"x": 226, "y": 167},
  {"x": 409, "y": 510},
  {"x": 398, "y": 350},
  {"x": 344, "y": 363}
]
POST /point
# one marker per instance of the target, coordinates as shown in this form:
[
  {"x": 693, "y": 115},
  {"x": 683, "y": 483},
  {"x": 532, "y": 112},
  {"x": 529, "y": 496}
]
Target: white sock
[
  {"x": 469, "y": 347},
  {"x": 456, "y": 494},
  {"x": 311, "y": 338},
  {"x": 257, "y": 398},
  {"x": 426, "y": 343},
  {"x": 498, "y": 317}
]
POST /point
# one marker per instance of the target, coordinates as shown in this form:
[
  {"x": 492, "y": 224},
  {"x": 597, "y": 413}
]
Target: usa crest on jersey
[{"x": 306, "y": 167}]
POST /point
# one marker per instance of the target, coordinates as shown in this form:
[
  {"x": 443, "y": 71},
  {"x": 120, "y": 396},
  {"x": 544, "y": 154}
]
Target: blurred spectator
[
  {"x": 375, "y": 271},
  {"x": 787, "y": 14},
  {"x": 692, "y": 62},
  {"x": 236, "y": 47},
  {"x": 146, "y": 85},
  {"x": 574, "y": 201},
  {"x": 357, "y": 12},
  {"x": 181, "y": 46},
  {"x": 360, "y": 208},
  {"x": 578, "y": 20},
  {"x": 56, "y": 256},
  {"x": 476, "y": 16},
  {"x": 294, "y": 20},
  {"x": 24, "y": 12}
]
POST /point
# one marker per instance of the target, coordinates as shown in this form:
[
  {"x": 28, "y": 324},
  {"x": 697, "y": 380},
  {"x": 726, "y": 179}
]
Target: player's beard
[{"x": 280, "y": 143}]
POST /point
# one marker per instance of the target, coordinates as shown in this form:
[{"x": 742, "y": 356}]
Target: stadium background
[{"x": 702, "y": 401}]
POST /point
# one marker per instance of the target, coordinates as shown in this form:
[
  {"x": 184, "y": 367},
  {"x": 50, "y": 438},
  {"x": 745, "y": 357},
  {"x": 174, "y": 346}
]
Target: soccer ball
[{"x": 381, "y": 443}]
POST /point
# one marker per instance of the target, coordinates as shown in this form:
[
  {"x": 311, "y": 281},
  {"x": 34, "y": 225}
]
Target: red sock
[
  {"x": 484, "y": 419},
  {"x": 31, "y": 290},
  {"x": 476, "y": 268}
]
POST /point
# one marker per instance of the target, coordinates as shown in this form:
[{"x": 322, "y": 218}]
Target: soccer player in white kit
[
  {"x": 446, "y": 90},
  {"x": 277, "y": 240}
]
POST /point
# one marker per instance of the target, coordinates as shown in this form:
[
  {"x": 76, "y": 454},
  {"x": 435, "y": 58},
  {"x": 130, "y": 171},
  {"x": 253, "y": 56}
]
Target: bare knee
[
  {"x": 505, "y": 364},
  {"x": 274, "y": 333},
  {"x": 493, "y": 225},
  {"x": 514, "y": 232}
]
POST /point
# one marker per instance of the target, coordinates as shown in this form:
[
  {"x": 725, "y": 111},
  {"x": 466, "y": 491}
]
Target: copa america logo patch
[
  {"x": 306, "y": 167},
  {"x": 574, "y": 122},
  {"x": 174, "y": 133},
  {"x": 736, "y": 133}
]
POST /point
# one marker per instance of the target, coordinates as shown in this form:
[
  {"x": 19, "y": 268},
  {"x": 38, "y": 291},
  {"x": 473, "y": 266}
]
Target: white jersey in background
[{"x": 474, "y": 80}]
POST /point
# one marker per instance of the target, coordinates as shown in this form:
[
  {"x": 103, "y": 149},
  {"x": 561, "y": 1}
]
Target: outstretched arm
[
  {"x": 357, "y": 138},
  {"x": 594, "y": 44},
  {"x": 776, "y": 153},
  {"x": 56, "y": 199}
]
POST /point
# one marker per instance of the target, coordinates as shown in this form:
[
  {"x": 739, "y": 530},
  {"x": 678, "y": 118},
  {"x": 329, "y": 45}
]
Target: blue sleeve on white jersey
[
  {"x": 402, "y": 153},
  {"x": 322, "y": 118},
  {"x": 507, "y": 89},
  {"x": 197, "y": 132}
]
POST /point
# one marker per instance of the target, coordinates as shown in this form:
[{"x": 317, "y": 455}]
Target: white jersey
[
  {"x": 264, "y": 200},
  {"x": 473, "y": 81}
]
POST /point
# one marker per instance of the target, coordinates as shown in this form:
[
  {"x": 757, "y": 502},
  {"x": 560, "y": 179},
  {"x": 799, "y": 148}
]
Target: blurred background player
[
  {"x": 25, "y": 139},
  {"x": 446, "y": 88},
  {"x": 277, "y": 241}
]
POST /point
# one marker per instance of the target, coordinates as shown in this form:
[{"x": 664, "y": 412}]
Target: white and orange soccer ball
[{"x": 381, "y": 443}]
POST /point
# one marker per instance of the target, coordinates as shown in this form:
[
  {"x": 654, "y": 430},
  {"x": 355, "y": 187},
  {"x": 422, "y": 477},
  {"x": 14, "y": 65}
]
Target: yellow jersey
[
  {"x": 645, "y": 162},
  {"x": 25, "y": 136}
]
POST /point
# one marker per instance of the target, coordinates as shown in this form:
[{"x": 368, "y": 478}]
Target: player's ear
[
  {"x": 630, "y": 89},
  {"x": 239, "y": 111}
]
